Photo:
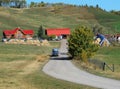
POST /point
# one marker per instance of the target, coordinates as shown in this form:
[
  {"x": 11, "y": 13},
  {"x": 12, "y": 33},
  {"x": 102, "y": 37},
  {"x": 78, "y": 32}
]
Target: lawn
[
  {"x": 110, "y": 55},
  {"x": 21, "y": 68}
]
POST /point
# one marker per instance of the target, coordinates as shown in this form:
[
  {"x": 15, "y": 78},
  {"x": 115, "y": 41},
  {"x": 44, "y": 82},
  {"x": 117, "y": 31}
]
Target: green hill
[{"x": 58, "y": 17}]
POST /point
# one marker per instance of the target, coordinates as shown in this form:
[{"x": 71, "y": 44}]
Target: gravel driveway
[{"x": 63, "y": 69}]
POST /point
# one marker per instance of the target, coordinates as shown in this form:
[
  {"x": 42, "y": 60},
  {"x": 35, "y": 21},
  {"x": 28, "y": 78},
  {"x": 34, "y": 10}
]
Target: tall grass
[{"x": 109, "y": 55}]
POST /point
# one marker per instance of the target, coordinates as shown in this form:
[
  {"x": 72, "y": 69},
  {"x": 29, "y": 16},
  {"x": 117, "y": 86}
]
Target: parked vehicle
[{"x": 55, "y": 52}]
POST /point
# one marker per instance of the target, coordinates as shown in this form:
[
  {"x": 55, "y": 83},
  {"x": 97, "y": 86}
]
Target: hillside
[{"x": 58, "y": 17}]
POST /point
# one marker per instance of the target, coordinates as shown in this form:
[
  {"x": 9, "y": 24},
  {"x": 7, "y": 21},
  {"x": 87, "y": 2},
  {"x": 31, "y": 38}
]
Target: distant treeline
[
  {"x": 23, "y": 4},
  {"x": 115, "y": 12},
  {"x": 13, "y": 3}
]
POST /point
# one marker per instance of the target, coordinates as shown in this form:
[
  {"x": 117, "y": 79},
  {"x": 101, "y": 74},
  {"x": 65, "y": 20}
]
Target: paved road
[{"x": 64, "y": 69}]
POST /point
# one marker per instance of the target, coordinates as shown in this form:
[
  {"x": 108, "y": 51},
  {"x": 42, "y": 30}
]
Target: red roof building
[
  {"x": 58, "y": 31},
  {"x": 18, "y": 33}
]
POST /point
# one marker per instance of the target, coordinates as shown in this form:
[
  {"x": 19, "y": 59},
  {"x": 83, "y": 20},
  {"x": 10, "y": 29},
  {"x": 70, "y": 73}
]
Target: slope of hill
[
  {"x": 107, "y": 19},
  {"x": 57, "y": 17}
]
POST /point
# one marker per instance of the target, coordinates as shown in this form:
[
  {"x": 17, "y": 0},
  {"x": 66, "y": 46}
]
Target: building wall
[{"x": 19, "y": 34}]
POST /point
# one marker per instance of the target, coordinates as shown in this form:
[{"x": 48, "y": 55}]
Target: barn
[
  {"x": 58, "y": 32},
  {"x": 18, "y": 33}
]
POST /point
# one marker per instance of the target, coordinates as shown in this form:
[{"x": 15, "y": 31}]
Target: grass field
[
  {"x": 21, "y": 68},
  {"x": 109, "y": 55}
]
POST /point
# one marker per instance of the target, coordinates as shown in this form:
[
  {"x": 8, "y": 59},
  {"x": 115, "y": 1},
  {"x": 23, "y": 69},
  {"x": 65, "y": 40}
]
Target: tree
[
  {"x": 32, "y": 4},
  {"x": 81, "y": 45},
  {"x": 20, "y": 3},
  {"x": 42, "y": 4},
  {"x": 97, "y": 6},
  {"x": 0, "y": 2},
  {"x": 13, "y": 3},
  {"x": 41, "y": 32}
]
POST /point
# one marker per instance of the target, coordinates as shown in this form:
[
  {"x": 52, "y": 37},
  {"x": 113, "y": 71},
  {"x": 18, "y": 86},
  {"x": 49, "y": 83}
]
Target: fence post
[
  {"x": 113, "y": 68},
  {"x": 103, "y": 66}
]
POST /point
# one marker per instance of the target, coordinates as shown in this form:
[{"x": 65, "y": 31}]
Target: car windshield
[{"x": 55, "y": 49}]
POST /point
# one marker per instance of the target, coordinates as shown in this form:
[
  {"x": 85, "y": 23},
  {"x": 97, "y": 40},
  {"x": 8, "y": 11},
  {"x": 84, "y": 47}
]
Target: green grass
[
  {"x": 110, "y": 55},
  {"x": 11, "y": 52}
]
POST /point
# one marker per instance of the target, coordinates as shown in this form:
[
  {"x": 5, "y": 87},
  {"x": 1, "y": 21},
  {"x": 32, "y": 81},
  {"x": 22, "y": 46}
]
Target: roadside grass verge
[
  {"x": 43, "y": 81},
  {"x": 109, "y": 55},
  {"x": 21, "y": 68}
]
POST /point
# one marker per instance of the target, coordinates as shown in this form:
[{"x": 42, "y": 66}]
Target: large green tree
[{"x": 81, "y": 45}]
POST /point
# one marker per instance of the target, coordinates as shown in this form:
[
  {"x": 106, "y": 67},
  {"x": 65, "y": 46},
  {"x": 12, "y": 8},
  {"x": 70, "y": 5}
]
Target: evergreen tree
[
  {"x": 0, "y": 2},
  {"x": 41, "y": 32},
  {"x": 81, "y": 45}
]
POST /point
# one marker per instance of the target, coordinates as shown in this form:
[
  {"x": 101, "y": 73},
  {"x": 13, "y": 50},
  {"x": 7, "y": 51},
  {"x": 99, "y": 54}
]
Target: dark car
[{"x": 55, "y": 52}]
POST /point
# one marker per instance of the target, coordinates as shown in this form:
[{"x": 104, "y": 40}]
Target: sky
[{"x": 104, "y": 4}]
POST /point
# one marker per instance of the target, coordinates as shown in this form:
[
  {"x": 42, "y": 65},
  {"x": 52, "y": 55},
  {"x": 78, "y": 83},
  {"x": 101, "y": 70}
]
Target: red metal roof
[
  {"x": 12, "y": 32},
  {"x": 28, "y": 31},
  {"x": 58, "y": 31},
  {"x": 8, "y": 32}
]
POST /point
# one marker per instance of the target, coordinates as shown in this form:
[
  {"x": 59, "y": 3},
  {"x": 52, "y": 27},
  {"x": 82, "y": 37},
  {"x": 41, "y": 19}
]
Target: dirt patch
[
  {"x": 42, "y": 58},
  {"x": 34, "y": 65},
  {"x": 30, "y": 67}
]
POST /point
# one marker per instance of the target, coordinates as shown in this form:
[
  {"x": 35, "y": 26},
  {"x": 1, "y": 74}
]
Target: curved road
[{"x": 64, "y": 69}]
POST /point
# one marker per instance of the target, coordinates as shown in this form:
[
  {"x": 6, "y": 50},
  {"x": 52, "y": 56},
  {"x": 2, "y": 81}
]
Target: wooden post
[
  {"x": 103, "y": 66},
  {"x": 113, "y": 68}
]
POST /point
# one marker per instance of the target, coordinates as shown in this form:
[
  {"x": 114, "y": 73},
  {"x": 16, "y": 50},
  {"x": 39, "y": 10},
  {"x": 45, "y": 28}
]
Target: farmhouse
[
  {"x": 58, "y": 32},
  {"x": 18, "y": 33}
]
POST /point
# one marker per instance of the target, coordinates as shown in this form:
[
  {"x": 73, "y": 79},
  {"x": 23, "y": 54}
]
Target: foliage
[
  {"x": 32, "y": 4},
  {"x": 97, "y": 29},
  {"x": 13, "y": 3},
  {"x": 35, "y": 4},
  {"x": 52, "y": 37},
  {"x": 81, "y": 44},
  {"x": 41, "y": 32},
  {"x": 42, "y": 4},
  {"x": 115, "y": 12}
]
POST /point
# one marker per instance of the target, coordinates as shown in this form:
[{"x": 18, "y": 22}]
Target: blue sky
[{"x": 104, "y": 4}]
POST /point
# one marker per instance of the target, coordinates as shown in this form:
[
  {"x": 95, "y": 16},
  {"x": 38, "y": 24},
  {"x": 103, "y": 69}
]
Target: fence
[{"x": 104, "y": 66}]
